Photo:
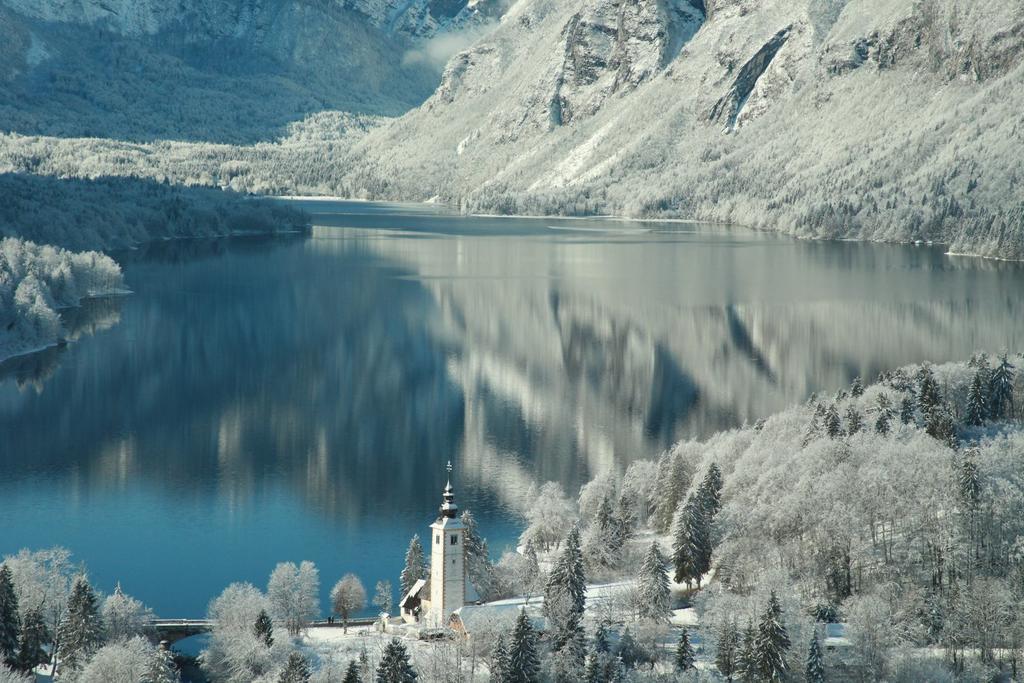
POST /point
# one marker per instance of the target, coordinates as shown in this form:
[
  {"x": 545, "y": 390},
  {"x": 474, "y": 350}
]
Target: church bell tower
[{"x": 447, "y": 559}]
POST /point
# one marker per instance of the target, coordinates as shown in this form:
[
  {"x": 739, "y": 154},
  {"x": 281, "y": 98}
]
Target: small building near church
[{"x": 411, "y": 606}]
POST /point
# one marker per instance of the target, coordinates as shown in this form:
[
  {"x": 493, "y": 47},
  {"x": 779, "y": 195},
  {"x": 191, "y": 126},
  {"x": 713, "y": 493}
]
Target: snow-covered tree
[
  {"x": 710, "y": 491},
  {"x": 727, "y": 649},
  {"x": 415, "y": 566},
  {"x": 675, "y": 472},
  {"x": 833, "y": 425},
  {"x": 264, "y": 628},
  {"x": 771, "y": 645},
  {"x": 348, "y": 597},
  {"x": 81, "y": 632},
  {"x": 523, "y": 656},
  {"x": 907, "y": 409},
  {"x": 162, "y": 668},
  {"x": 653, "y": 594},
  {"x": 124, "y": 617},
  {"x": 929, "y": 396},
  {"x": 1001, "y": 388},
  {"x": 815, "y": 670},
  {"x": 44, "y": 579},
  {"x": 479, "y": 569},
  {"x": 857, "y": 388},
  {"x": 565, "y": 592},
  {"x": 547, "y": 516},
  {"x": 294, "y": 595},
  {"x": 685, "y": 657},
  {"x": 499, "y": 664},
  {"x": 382, "y": 597},
  {"x": 34, "y": 638},
  {"x": 352, "y": 673},
  {"x": 394, "y": 665},
  {"x": 10, "y": 618},
  {"x": 9, "y": 675},
  {"x": 883, "y": 408},
  {"x": 977, "y": 402},
  {"x": 296, "y": 670},
  {"x": 123, "y": 660},
  {"x": 236, "y": 652},
  {"x": 691, "y": 547},
  {"x": 639, "y": 485},
  {"x": 854, "y": 421}
]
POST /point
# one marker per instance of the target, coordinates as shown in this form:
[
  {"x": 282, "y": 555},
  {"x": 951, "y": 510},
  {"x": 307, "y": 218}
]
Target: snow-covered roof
[
  {"x": 446, "y": 523},
  {"x": 497, "y": 615},
  {"x": 413, "y": 596}
]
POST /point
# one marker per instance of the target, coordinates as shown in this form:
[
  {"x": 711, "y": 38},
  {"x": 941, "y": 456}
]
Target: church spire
[{"x": 448, "y": 507}]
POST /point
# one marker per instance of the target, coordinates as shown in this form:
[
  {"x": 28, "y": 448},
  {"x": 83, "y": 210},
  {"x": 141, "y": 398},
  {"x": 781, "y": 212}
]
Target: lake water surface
[{"x": 266, "y": 399}]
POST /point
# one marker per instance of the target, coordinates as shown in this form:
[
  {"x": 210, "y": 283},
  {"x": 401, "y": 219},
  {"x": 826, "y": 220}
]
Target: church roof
[{"x": 413, "y": 597}]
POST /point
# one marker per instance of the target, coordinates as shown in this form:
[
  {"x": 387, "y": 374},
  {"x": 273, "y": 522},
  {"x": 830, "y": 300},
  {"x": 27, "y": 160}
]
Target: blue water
[{"x": 257, "y": 400}]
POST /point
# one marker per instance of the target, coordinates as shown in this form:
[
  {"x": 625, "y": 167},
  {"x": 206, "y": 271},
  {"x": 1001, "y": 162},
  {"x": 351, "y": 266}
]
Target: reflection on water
[{"x": 271, "y": 399}]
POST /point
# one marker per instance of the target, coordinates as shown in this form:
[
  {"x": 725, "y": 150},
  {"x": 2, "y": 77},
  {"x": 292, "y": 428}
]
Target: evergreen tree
[
  {"x": 691, "y": 548},
  {"x": 415, "y": 566},
  {"x": 815, "y": 663},
  {"x": 524, "y": 662},
  {"x": 907, "y": 410},
  {"x": 499, "y": 661},
  {"x": 969, "y": 483},
  {"x": 813, "y": 430},
  {"x": 624, "y": 522},
  {"x": 34, "y": 635},
  {"x": 833, "y": 425},
  {"x": 263, "y": 628},
  {"x": 601, "y": 644},
  {"x": 352, "y": 673},
  {"x": 594, "y": 673},
  {"x": 629, "y": 651},
  {"x": 10, "y": 618},
  {"x": 940, "y": 426},
  {"x": 1001, "y": 389},
  {"x": 857, "y": 388},
  {"x": 710, "y": 491},
  {"x": 162, "y": 668},
  {"x": 746, "y": 663},
  {"x": 654, "y": 597},
  {"x": 727, "y": 652},
  {"x": 478, "y": 559},
  {"x": 854, "y": 422},
  {"x": 81, "y": 632},
  {"x": 977, "y": 402},
  {"x": 772, "y": 643},
  {"x": 884, "y": 420},
  {"x": 564, "y": 594},
  {"x": 684, "y": 652},
  {"x": 394, "y": 664},
  {"x": 569, "y": 660},
  {"x": 928, "y": 394},
  {"x": 297, "y": 670}
]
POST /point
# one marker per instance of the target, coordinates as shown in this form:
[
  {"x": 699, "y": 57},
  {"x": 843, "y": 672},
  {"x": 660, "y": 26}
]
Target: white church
[{"x": 447, "y": 592}]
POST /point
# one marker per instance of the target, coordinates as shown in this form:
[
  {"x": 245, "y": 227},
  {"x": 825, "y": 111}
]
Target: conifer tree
[
  {"x": 524, "y": 661},
  {"x": 746, "y": 664},
  {"x": 1001, "y": 389},
  {"x": 629, "y": 651},
  {"x": 624, "y": 522},
  {"x": 568, "y": 661},
  {"x": 654, "y": 597},
  {"x": 34, "y": 635},
  {"x": 499, "y": 661},
  {"x": 564, "y": 594},
  {"x": 685, "y": 657},
  {"x": 940, "y": 426},
  {"x": 833, "y": 425},
  {"x": 691, "y": 548},
  {"x": 81, "y": 632},
  {"x": 478, "y": 560},
  {"x": 907, "y": 410},
  {"x": 296, "y": 670},
  {"x": 854, "y": 422},
  {"x": 394, "y": 664},
  {"x": 815, "y": 672},
  {"x": 884, "y": 420},
  {"x": 415, "y": 566},
  {"x": 162, "y": 668},
  {"x": 352, "y": 673},
  {"x": 594, "y": 673},
  {"x": 977, "y": 402},
  {"x": 710, "y": 491},
  {"x": 857, "y": 388},
  {"x": 601, "y": 644},
  {"x": 667, "y": 493},
  {"x": 263, "y": 628},
  {"x": 928, "y": 394},
  {"x": 10, "y": 618},
  {"x": 772, "y": 643},
  {"x": 727, "y": 652}
]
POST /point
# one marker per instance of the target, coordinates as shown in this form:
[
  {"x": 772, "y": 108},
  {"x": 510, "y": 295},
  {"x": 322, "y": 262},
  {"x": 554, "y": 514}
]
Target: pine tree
[
  {"x": 479, "y": 569},
  {"x": 727, "y": 652},
  {"x": 352, "y": 673},
  {"x": 710, "y": 491},
  {"x": 524, "y": 662},
  {"x": 10, "y": 618},
  {"x": 499, "y": 661},
  {"x": 772, "y": 643},
  {"x": 161, "y": 667},
  {"x": 833, "y": 425},
  {"x": 928, "y": 394},
  {"x": 34, "y": 635},
  {"x": 601, "y": 644},
  {"x": 815, "y": 663},
  {"x": 907, "y": 410},
  {"x": 624, "y": 522},
  {"x": 684, "y": 652},
  {"x": 1001, "y": 389},
  {"x": 691, "y": 549},
  {"x": 568, "y": 661},
  {"x": 415, "y": 566},
  {"x": 941, "y": 426},
  {"x": 263, "y": 628},
  {"x": 629, "y": 651},
  {"x": 565, "y": 592},
  {"x": 654, "y": 598},
  {"x": 857, "y": 388},
  {"x": 297, "y": 670},
  {"x": 394, "y": 665},
  {"x": 884, "y": 420},
  {"x": 81, "y": 632},
  {"x": 746, "y": 663},
  {"x": 977, "y": 402},
  {"x": 854, "y": 422},
  {"x": 594, "y": 673}
]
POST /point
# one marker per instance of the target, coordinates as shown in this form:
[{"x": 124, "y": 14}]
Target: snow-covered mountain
[
  {"x": 882, "y": 119},
  {"x": 221, "y": 70}
]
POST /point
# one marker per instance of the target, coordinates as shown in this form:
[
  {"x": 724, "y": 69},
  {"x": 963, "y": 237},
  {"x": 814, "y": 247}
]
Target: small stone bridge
[{"x": 173, "y": 630}]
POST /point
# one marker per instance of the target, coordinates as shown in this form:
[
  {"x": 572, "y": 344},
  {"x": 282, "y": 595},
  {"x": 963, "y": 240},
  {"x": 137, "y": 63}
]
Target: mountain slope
[{"x": 868, "y": 119}]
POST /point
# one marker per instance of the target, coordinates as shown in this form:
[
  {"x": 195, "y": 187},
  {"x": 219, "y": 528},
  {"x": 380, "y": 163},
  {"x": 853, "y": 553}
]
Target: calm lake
[{"x": 267, "y": 399}]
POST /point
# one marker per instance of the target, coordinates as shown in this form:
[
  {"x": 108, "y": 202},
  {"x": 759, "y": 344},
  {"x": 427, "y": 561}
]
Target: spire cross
[{"x": 449, "y": 468}]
